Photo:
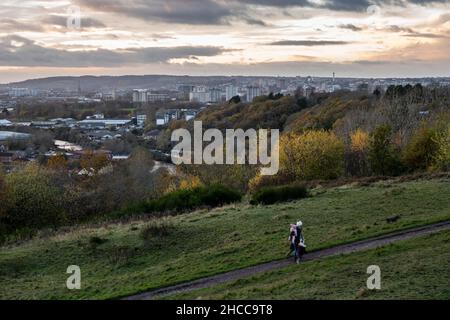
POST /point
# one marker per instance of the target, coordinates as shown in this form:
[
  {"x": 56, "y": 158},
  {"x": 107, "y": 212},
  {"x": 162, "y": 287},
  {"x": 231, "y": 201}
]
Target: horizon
[{"x": 218, "y": 76}]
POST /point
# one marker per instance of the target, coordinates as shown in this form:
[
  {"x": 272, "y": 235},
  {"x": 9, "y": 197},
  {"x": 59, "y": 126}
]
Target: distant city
[
  {"x": 148, "y": 105},
  {"x": 205, "y": 90}
]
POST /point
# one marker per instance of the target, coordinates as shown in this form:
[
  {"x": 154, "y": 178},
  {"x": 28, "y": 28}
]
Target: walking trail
[{"x": 261, "y": 268}]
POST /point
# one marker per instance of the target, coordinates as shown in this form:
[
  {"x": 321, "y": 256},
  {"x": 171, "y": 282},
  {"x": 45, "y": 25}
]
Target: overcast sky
[{"x": 363, "y": 38}]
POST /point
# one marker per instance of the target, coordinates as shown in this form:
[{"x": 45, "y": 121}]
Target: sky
[{"x": 357, "y": 38}]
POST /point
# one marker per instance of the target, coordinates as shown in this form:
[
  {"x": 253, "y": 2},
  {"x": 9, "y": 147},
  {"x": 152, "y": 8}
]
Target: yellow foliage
[
  {"x": 359, "y": 140},
  {"x": 190, "y": 182},
  {"x": 312, "y": 155},
  {"x": 57, "y": 162},
  {"x": 96, "y": 161}
]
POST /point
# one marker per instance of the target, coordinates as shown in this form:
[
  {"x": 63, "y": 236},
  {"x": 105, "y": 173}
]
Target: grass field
[
  {"x": 116, "y": 262},
  {"x": 412, "y": 269}
]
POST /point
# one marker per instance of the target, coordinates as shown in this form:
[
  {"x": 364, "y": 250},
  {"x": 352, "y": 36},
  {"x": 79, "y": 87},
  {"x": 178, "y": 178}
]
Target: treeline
[{"x": 35, "y": 110}]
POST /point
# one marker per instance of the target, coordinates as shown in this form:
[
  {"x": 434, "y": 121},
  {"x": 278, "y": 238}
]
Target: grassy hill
[
  {"x": 413, "y": 269},
  {"x": 115, "y": 261}
]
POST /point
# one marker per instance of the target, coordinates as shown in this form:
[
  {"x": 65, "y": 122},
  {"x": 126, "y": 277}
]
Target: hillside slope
[
  {"x": 115, "y": 261},
  {"x": 426, "y": 275}
]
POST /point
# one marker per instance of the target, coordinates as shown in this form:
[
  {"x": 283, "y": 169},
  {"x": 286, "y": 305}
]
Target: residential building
[
  {"x": 215, "y": 95},
  {"x": 22, "y": 92},
  {"x": 230, "y": 92},
  {"x": 200, "y": 94},
  {"x": 109, "y": 96},
  {"x": 140, "y": 95},
  {"x": 253, "y": 92},
  {"x": 157, "y": 97}
]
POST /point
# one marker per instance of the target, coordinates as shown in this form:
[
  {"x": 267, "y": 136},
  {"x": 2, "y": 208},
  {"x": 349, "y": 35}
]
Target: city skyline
[{"x": 354, "y": 38}]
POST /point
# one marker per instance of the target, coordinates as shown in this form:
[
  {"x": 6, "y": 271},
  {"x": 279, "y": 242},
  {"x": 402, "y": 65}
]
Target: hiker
[
  {"x": 297, "y": 241},
  {"x": 291, "y": 239}
]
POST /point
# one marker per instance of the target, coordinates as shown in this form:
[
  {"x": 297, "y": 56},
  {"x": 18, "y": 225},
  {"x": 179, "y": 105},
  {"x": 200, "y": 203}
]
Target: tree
[
  {"x": 92, "y": 160},
  {"x": 359, "y": 141},
  {"x": 420, "y": 152},
  {"x": 442, "y": 156},
  {"x": 356, "y": 156},
  {"x": 383, "y": 157},
  {"x": 235, "y": 100},
  {"x": 312, "y": 155},
  {"x": 58, "y": 162},
  {"x": 32, "y": 199}
]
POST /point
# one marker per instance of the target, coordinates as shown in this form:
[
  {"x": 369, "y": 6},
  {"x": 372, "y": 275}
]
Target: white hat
[{"x": 299, "y": 224}]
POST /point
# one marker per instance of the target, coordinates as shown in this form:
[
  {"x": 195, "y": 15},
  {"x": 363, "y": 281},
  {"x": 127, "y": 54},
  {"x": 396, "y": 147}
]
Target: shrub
[
  {"x": 312, "y": 155},
  {"x": 271, "y": 195},
  {"x": 261, "y": 181},
  {"x": 187, "y": 199},
  {"x": 95, "y": 241}
]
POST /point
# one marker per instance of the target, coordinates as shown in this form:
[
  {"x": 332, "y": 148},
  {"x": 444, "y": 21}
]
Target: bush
[
  {"x": 259, "y": 182},
  {"x": 187, "y": 199},
  {"x": 312, "y": 155},
  {"x": 271, "y": 195}
]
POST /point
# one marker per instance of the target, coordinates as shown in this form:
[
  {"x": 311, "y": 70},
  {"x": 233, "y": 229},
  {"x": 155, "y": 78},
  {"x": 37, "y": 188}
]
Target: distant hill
[{"x": 89, "y": 83}]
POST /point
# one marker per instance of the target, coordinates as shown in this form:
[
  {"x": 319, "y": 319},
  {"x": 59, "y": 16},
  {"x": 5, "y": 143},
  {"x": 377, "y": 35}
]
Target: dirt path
[{"x": 246, "y": 272}]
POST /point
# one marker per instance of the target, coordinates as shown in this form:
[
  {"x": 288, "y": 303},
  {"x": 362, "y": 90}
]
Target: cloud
[
  {"x": 307, "y": 43},
  {"x": 61, "y": 21},
  {"x": 194, "y": 12},
  {"x": 8, "y": 24},
  {"x": 350, "y": 27},
  {"x": 424, "y": 35},
  {"x": 255, "y": 22},
  {"x": 411, "y": 33},
  {"x": 19, "y": 51}
]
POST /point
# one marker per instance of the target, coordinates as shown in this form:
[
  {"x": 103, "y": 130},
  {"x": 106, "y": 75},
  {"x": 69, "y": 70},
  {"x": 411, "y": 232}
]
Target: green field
[
  {"x": 210, "y": 242},
  {"x": 412, "y": 269}
]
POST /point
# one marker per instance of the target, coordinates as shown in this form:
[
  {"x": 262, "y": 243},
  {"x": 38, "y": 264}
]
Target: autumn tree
[
  {"x": 420, "y": 152},
  {"x": 442, "y": 156},
  {"x": 32, "y": 199},
  {"x": 58, "y": 162},
  {"x": 312, "y": 155},
  {"x": 92, "y": 160},
  {"x": 356, "y": 155}
]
